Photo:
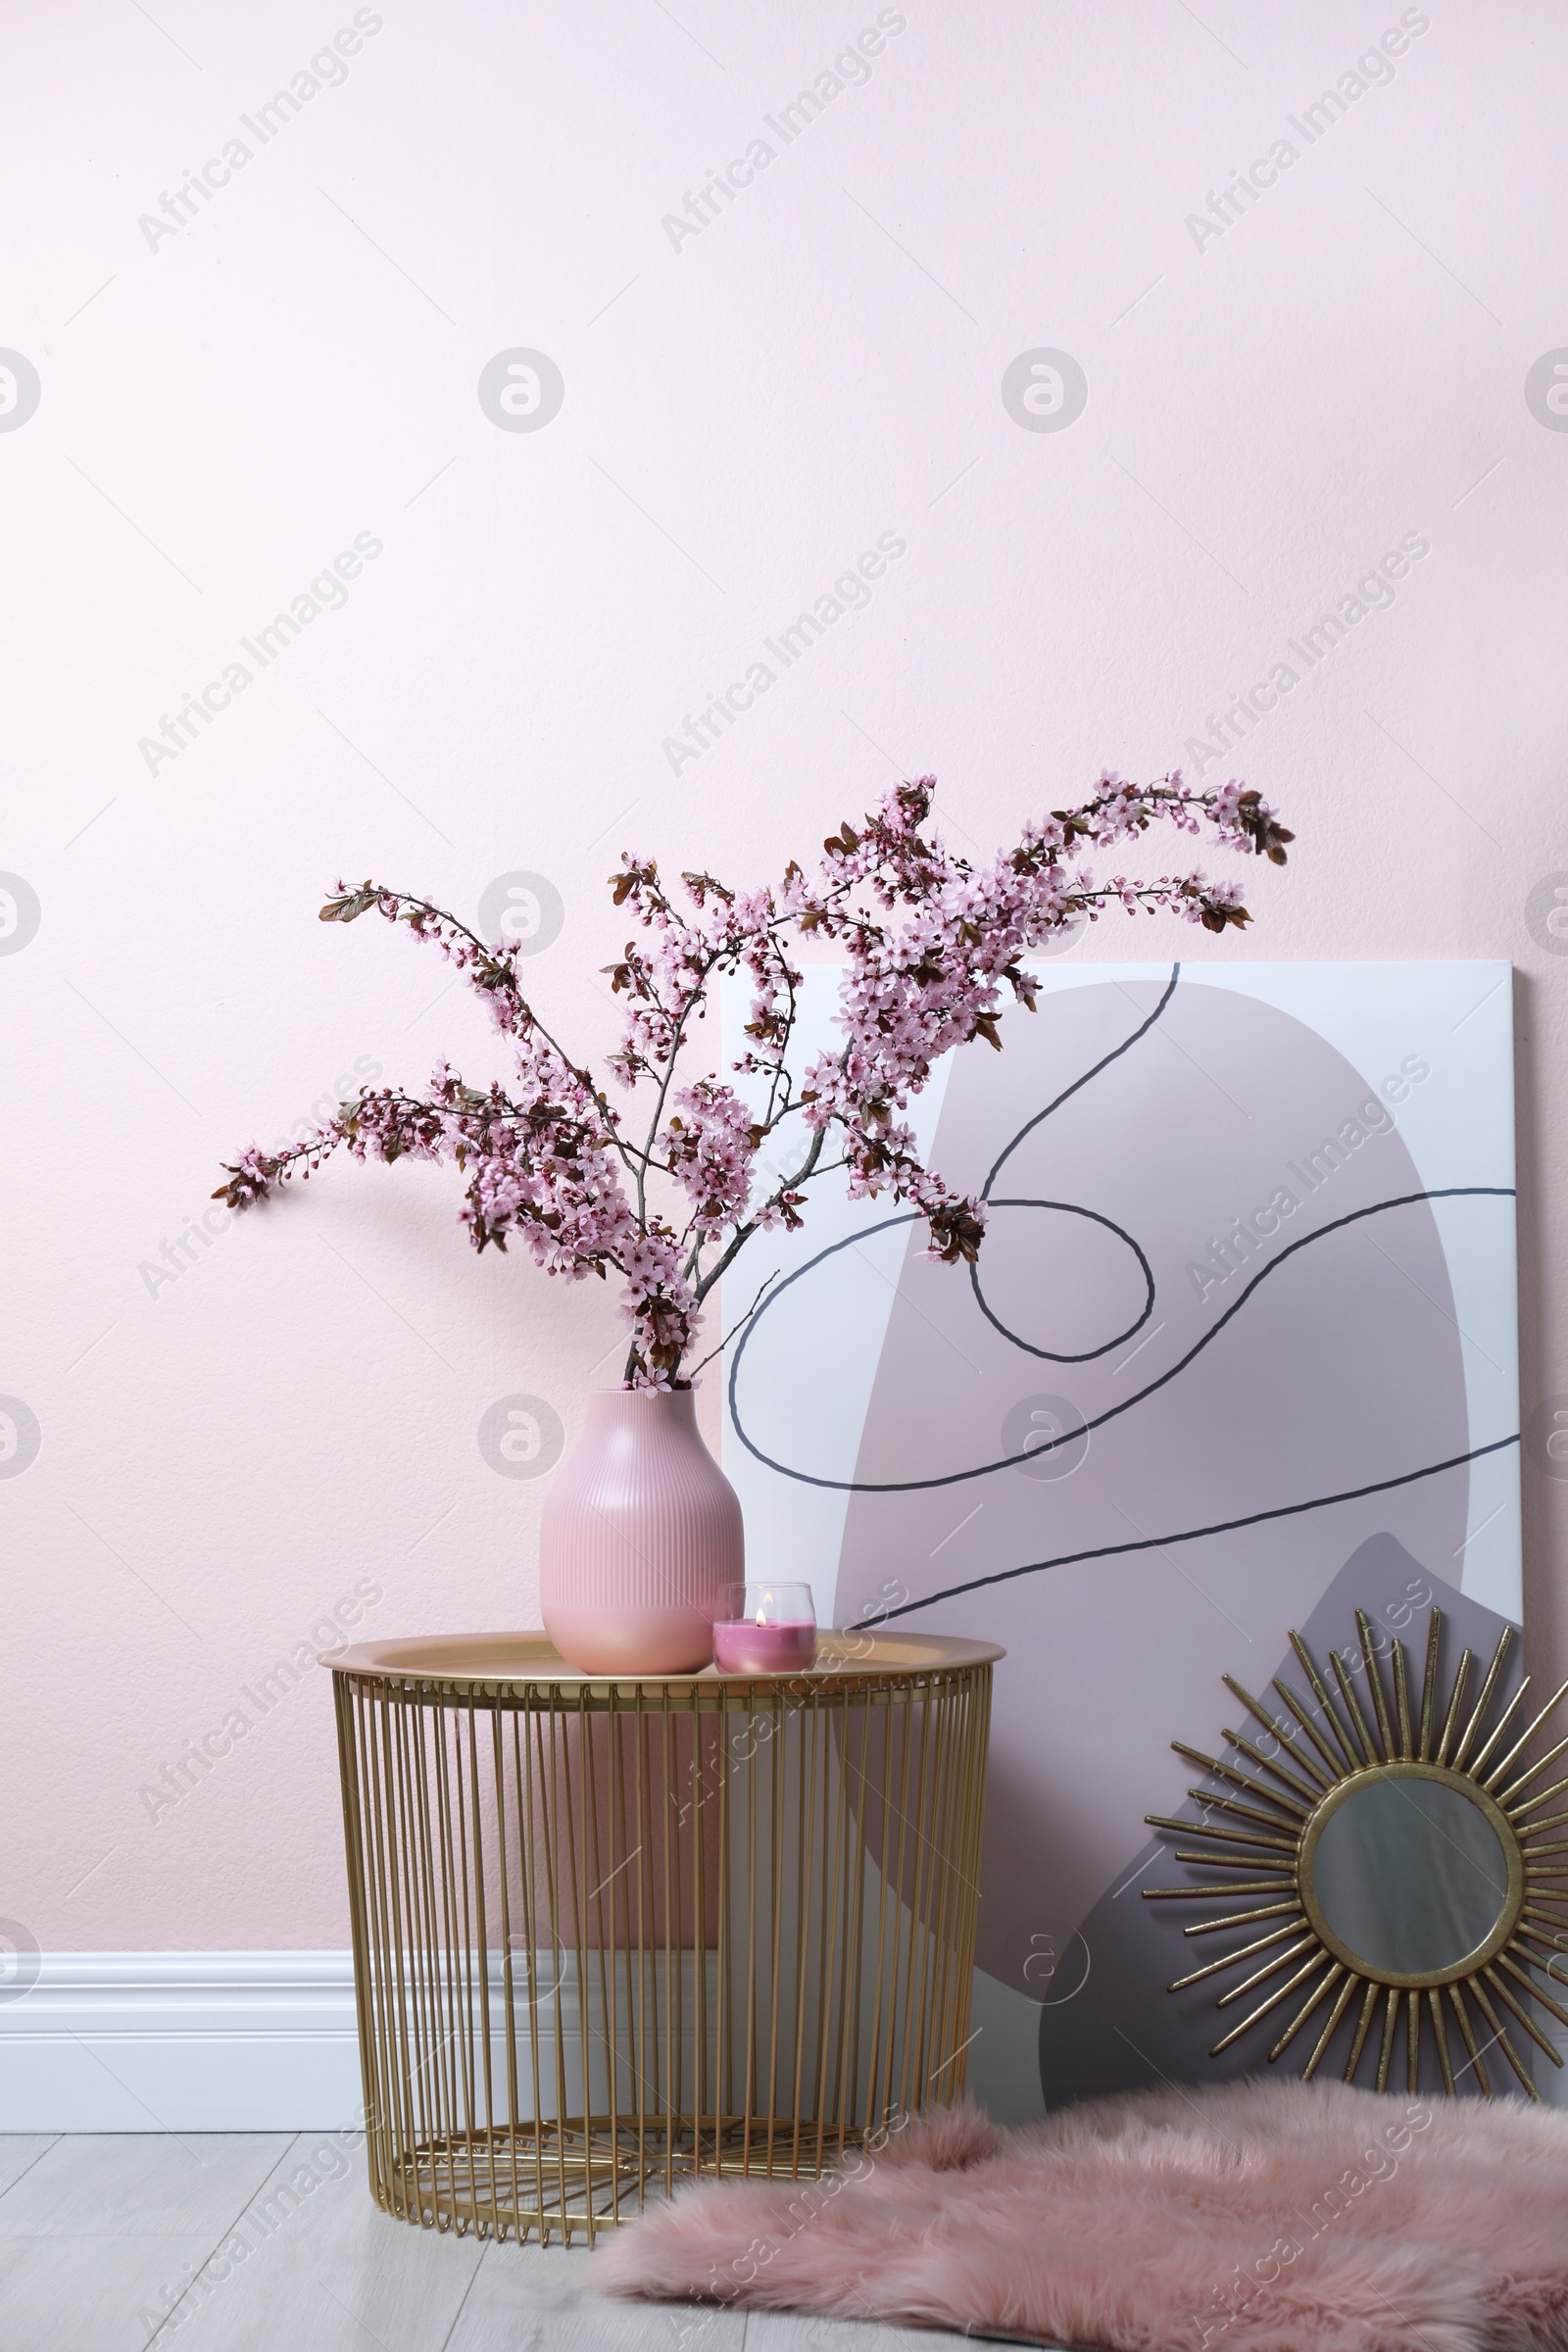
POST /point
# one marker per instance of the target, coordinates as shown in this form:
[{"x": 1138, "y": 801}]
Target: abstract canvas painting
[{"x": 1239, "y": 1355}]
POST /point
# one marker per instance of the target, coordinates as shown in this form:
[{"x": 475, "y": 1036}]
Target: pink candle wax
[{"x": 743, "y": 1646}]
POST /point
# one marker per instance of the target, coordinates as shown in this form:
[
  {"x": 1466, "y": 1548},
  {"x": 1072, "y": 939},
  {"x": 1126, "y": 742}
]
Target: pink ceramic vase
[{"x": 639, "y": 1539}]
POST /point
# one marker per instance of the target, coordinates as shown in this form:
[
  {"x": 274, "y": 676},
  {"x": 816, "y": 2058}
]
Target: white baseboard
[
  {"x": 264, "y": 2041},
  {"x": 182, "y": 2042},
  {"x": 222, "y": 2041}
]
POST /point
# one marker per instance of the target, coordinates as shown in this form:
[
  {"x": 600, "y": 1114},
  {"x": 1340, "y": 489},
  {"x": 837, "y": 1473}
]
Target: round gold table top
[{"x": 529, "y": 1657}]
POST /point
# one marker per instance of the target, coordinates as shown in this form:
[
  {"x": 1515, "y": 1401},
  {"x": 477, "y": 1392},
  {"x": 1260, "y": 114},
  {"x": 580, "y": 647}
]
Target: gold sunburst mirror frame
[{"x": 1400, "y": 1859}]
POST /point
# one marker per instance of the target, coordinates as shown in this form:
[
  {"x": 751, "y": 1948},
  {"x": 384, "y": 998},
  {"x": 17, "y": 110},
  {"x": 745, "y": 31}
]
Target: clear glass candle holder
[{"x": 765, "y": 1629}]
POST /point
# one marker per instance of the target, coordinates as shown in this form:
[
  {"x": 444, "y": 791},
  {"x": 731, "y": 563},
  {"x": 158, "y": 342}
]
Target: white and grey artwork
[{"x": 1239, "y": 1355}]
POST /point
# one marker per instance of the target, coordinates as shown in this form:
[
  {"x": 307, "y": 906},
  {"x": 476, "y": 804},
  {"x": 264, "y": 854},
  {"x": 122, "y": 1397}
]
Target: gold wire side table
[{"x": 611, "y": 1935}]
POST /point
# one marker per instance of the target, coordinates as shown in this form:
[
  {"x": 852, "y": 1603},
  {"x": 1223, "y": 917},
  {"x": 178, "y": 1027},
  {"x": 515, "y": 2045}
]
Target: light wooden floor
[{"x": 109, "y": 2244}]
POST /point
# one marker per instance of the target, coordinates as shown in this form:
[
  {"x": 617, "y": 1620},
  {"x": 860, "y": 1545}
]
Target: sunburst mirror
[{"x": 1397, "y": 1861}]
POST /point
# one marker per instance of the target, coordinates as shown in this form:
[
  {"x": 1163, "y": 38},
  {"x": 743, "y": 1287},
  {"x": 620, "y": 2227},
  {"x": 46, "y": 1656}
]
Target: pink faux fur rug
[{"x": 1254, "y": 2217}]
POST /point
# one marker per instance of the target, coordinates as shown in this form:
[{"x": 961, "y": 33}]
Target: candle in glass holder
[{"x": 770, "y": 1629}]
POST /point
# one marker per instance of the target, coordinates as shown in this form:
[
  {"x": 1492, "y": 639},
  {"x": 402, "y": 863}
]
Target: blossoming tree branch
[{"x": 667, "y": 1187}]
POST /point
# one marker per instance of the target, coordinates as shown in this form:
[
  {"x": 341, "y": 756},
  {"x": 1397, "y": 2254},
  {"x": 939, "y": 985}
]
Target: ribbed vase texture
[{"x": 640, "y": 1536}]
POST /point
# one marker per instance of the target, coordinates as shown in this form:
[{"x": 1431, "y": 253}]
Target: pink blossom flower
[{"x": 931, "y": 950}]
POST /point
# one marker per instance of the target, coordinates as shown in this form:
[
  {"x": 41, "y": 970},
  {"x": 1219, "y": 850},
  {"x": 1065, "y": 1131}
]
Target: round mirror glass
[{"x": 1409, "y": 1874}]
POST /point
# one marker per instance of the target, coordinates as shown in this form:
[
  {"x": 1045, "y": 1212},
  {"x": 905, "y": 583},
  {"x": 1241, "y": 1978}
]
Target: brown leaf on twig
[
  {"x": 349, "y": 905},
  {"x": 1266, "y": 836}
]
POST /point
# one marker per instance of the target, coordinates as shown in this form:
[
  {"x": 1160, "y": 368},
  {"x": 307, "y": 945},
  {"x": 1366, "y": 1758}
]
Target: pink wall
[{"x": 286, "y": 1428}]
